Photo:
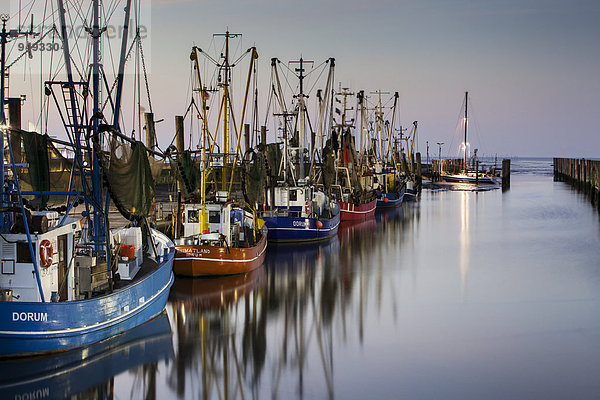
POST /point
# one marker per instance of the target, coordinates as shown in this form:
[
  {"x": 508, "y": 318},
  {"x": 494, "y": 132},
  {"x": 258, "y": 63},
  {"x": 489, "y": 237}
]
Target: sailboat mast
[{"x": 465, "y": 143}]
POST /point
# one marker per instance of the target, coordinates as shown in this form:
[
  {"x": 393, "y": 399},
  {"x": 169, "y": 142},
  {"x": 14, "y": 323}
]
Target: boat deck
[{"x": 147, "y": 267}]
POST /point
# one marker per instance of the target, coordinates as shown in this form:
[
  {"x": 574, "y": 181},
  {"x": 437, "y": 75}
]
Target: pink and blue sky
[{"x": 531, "y": 66}]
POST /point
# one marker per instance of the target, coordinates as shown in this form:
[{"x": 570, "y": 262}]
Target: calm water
[{"x": 462, "y": 295}]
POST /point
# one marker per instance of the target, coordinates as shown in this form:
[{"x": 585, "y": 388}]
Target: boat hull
[
  {"x": 298, "y": 229},
  {"x": 32, "y": 328},
  {"x": 66, "y": 374},
  {"x": 468, "y": 179},
  {"x": 200, "y": 260},
  {"x": 393, "y": 200},
  {"x": 360, "y": 212}
]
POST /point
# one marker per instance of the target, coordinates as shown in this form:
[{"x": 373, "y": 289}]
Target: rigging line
[
  {"x": 110, "y": 51},
  {"x": 313, "y": 69},
  {"x": 145, "y": 73},
  {"x": 25, "y": 52},
  {"x": 318, "y": 77},
  {"x": 269, "y": 100},
  {"x": 233, "y": 64},
  {"x": 75, "y": 45},
  {"x": 207, "y": 56},
  {"x": 114, "y": 5}
]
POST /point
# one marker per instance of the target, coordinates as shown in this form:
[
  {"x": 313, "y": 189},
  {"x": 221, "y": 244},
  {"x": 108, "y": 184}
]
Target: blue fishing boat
[
  {"x": 295, "y": 210},
  {"x": 67, "y": 374},
  {"x": 311, "y": 221},
  {"x": 391, "y": 199},
  {"x": 67, "y": 279}
]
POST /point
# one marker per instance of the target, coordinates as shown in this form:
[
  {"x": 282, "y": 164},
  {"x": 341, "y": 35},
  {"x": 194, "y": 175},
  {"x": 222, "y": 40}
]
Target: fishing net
[
  {"x": 255, "y": 179},
  {"x": 131, "y": 176},
  {"x": 47, "y": 170},
  {"x": 273, "y": 153},
  {"x": 188, "y": 172}
]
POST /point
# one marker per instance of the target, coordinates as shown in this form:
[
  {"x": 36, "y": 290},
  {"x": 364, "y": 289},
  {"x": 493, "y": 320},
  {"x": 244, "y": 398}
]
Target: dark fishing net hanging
[
  {"x": 48, "y": 170},
  {"x": 273, "y": 153},
  {"x": 255, "y": 180},
  {"x": 131, "y": 175},
  {"x": 188, "y": 172}
]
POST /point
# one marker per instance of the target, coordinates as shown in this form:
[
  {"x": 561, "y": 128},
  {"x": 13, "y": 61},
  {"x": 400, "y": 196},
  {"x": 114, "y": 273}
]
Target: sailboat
[
  {"x": 218, "y": 235},
  {"x": 295, "y": 210},
  {"x": 67, "y": 280},
  {"x": 466, "y": 174}
]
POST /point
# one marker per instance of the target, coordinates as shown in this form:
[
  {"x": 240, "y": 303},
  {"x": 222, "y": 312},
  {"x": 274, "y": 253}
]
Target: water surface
[{"x": 463, "y": 294}]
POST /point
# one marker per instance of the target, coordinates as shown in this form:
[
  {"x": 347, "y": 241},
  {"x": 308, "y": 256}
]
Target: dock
[{"x": 582, "y": 174}]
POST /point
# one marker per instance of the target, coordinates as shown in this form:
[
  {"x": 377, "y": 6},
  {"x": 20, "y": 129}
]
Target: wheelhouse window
[
  {"x": 214, "y": 217},
  {"x": 192, "y": 216},
  {"x": 293, "y": 195},
  {"x": 23, "y": 253}
]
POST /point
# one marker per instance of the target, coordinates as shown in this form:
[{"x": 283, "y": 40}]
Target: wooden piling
[
  {"x": 247, "y": 136},
  {"x": 418, "y": 176},
  {"x": 150, "y": 131},
  {"x": 179, "y": 142},
  {"x": 14, "y": 123},
  {"x": 263, "y": 135},
  {"x": 505, "y": 174}
]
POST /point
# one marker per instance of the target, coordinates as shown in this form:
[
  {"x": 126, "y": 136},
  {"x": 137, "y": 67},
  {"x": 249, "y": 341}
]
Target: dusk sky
[{"x": 531, "y": 67}]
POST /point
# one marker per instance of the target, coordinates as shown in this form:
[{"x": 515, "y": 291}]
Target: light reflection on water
[{"x": 460, "y": 295}]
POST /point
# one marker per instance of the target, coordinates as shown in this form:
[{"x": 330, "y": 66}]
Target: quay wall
[{"x": 580, "y": 173}]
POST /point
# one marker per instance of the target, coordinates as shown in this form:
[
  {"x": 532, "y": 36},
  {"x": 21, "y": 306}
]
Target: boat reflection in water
[
  {"x": 275, "y": 330},
  {"x": 211, "y": 314},
  {"x": 89, "y": 372}
]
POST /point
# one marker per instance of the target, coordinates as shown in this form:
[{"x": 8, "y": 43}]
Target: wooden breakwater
[{"x": 580, "y": 173}]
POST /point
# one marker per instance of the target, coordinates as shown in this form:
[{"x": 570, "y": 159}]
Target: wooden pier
[{"x": 580, "y": 173}]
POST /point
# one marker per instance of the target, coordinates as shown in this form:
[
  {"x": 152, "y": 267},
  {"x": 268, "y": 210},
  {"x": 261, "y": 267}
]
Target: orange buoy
[
  {"x": 319, "y": 224},
  {"x": 385, "y": 200}
]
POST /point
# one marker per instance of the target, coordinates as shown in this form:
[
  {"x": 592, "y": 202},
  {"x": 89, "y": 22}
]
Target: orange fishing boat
[
  {"x": 216, "y": 236},
  {"x": 205, "y": 259}
]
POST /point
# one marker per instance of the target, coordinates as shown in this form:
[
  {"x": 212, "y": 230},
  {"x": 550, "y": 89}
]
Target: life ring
[
  {"x": 307, "y": 207},
  {"x": 46, "y": 252}
]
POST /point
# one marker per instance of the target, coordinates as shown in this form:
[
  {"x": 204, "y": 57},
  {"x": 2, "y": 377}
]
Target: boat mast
[
  {"x": 2, "y": 116},
  {"x": 122, "y": 61},
  {"x": 226, "y": 106},
  {"x": 99, "y": 227},
  {"x": 301, "y": 118},
  {"x": 465, "y": 143}
]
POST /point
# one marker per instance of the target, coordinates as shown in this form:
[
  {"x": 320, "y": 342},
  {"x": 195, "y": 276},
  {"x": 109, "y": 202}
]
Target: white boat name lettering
[
  {"x": 38, "y": 394},
  {"x": 299, "y": 223},
  {"x": 196, "y": 252},
  {"x": 30, "y": 316}
]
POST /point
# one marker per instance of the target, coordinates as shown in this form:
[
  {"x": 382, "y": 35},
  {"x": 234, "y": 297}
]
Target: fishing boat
[
  {"x": 353, "y": 185},
  {"x": 465, "y": 174},
  {"x": 216, "y": 234},
  {"x": 67, "y": 280},
  {"x": 391, "y": 178},
  {"x": 295, "y": 210},
  {"x": 89, "y": 369}
]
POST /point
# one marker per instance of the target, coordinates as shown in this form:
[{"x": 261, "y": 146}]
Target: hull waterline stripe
[{"x": 358, "y": 212}]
